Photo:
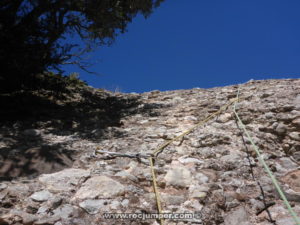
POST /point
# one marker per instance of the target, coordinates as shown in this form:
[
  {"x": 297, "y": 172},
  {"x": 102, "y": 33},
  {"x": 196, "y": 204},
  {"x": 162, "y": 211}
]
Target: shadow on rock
[
  {"x": 25, "y": 152},
  {"x": 33, "y": 161}
]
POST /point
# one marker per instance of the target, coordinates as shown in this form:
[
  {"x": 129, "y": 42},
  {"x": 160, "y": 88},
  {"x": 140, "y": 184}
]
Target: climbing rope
[
  {"x": 164, "y": 145},
  {"x": 156, "y": 152},
  {"x": 266, "y": 167},
  {"x": 157, "y": 196}
]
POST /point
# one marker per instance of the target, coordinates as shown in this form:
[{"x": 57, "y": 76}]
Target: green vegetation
[{"x": 33, "y": 35}]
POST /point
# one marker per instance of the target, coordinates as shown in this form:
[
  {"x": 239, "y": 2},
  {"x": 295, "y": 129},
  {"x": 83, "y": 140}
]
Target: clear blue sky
[{"x": 202, "y": 43}]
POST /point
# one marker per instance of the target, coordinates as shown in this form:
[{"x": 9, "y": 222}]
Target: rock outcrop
[{"x": 212, "y": 172}]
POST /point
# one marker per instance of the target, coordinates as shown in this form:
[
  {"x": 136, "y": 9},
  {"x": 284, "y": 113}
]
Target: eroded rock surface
[{"x": 212, "y": 172}]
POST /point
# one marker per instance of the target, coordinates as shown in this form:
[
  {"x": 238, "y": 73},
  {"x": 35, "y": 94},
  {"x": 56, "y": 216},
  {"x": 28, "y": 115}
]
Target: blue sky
[{"x": 201, "y": 43}]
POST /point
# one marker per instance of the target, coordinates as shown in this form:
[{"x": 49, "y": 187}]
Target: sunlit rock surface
[{"x": 212, "y": 171}]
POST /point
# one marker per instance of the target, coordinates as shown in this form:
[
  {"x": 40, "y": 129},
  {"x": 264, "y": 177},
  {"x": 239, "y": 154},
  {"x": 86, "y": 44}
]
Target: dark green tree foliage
[{"x": 33, "y": 32}]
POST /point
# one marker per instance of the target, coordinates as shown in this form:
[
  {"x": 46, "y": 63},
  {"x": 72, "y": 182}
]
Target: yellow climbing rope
[
  {"x": 164, "y": 145},
  {"x": 161, "y": 148},
  {"x": 266, "y": 167},
  {"x": 157, "y": 196}
]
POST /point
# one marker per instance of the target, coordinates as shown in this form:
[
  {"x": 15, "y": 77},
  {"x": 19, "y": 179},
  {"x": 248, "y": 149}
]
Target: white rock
[
  {"x": 287, "y": 163},
  {"x": 64, "y": 180},
  {"x": 269, "y": 115},
  {"x": 100, "y": 186},
  {"x": 295, "y": 136},
  {"x": 126, "y": 175},
  {"x": 115, "y": 204},
  {"x": 297, "y": 102},
  {"x": 256, "y": 205},
  {"x": 237, "y": 217},
  {"x": 201, "y": 178},
  {"x": 64, "y": 211},
  {"x": 144, "y": 121},
  {"x": 224, "y": 117},
  {"x": 3, "y": 186},
  {"x": 42, "y": 210},
  {"x": 171, "y": 199},
  {"x": 125, "y": 203},
  {"x": 190, "y": 118},
  {"x": 184, "y": 160},
  {"x": 41, "y": 196},
  {"x": 58, "y": 223},
  {"x": 194, "y": 204},
  {"x": 196, "y": 192},
  {"x": 92, "y": 206},
  {"x": 181, "y": 150},
  {"x": 194, "y": 143},
  {"x": 179, "y": 176},
  {"x": 231, "y": 158}
]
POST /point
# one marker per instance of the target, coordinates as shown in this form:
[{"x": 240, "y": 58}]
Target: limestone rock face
[{"x": 74, "y": 166}]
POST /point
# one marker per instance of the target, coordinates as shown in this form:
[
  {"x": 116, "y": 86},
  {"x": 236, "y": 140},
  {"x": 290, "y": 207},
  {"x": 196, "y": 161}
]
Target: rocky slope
[{"x": 51, "y": 172}]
